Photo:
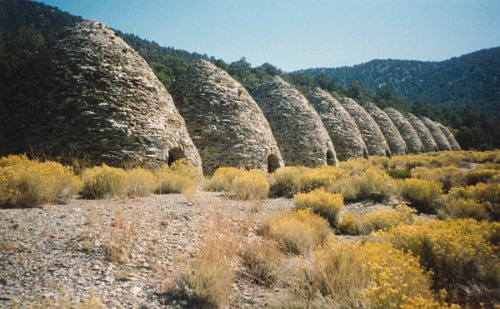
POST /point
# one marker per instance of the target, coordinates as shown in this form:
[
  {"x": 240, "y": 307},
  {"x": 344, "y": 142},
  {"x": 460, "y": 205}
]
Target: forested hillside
[{"x": 27, "y": 28}]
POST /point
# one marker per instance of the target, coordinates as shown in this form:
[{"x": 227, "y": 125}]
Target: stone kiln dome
[
  {"x": 424, "y": 133},
  {"x": 224, "y": 121},
  {"x": 342, "y": 129},
  {"x": 451, "y": 139},
  {"x": 439, "y": 137},
  {"x": 370, "y": 131},
  {"x": 406, "y": 130},
  {"x": 297, "y": 127},
  {"x": 99, "y": 100},
  {"x": 391, "y": 133}
]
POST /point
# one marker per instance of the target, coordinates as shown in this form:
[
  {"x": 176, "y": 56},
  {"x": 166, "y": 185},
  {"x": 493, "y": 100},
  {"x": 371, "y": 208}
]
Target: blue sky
[{"x": 299, "y": 34}]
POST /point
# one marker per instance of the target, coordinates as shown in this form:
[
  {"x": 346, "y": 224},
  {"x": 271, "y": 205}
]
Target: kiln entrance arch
[
  {"x": 330, "y": 158},
  {"x": 175, "y": 154},
  {"x": 273, "y": 163}
]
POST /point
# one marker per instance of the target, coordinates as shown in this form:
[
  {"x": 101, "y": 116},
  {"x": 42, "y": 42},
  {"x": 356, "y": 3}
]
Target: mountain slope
[{"x": 469, "y": 81}]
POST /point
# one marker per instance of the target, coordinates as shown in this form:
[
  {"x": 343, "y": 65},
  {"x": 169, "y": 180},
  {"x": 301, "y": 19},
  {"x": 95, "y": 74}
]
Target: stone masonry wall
[
  {"x": 297, "y": 127},
  {"x": 391, "y": 133},
  {"x": 406, "y": 130},
  {"x": 342, "y": 129},
  {"x": 422, "y": 131},
  {"x": 437, "y": 134},
  {"x": 98, "y": 100},
  {"x": 224, "y": 121},
  {"x": 370, "y": 131},
  {"x": 451, "y": 139}
]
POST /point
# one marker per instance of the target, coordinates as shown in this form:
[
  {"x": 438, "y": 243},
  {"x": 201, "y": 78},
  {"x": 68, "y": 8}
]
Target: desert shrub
[
  {"x": 380, "y": 219},
  {"x": 27, "y": 183},
  {"x": 141, "y": 182},
  {"x": 488, "y": 166},
  {"x": 480, "y": 175},
  {"x": 104, "y": 182},
  {"x": 296, "y": 232},
  {"x": 449, "y": 176},
  {"x": 289, "y": 180},
  {"x": 251, "y": 185},
  {"x": 464, "y": 208},
  {"x": 371, "y": 184},
  {"x": 460, "y": 254},
  {"x": 370, "y": 275},
  {"x": 62, "y": 300},
  {"x": 322, "y": 203},
  {"x": 246, "y": 185},
  {"x": 261, "y": 259},
  {"x": 180, "y": 177},
  {"x": 206, "y": 280},
  {"x": 422, "y": 194},
  {"x": 487, "y": 195}
]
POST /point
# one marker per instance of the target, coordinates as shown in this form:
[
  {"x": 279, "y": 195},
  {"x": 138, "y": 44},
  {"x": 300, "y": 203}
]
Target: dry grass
[
  {"x": 104, "y": 182},
  {"x": 62, "y": 301},
  {"x": 123, "y": 234},
  {"x": 261, "y": 261},
  {"x": 296, "y": 232},
  {"x": 322, "y": 203},
  {"x": 206, "y": 280},
  {"x": 27, "y": 183}
]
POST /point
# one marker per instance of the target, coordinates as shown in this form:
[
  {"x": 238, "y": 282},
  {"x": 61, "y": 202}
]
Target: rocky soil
[{"x": 63, "y": 248}]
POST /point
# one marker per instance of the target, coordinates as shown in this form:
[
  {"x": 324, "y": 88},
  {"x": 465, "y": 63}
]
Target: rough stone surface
[
  {"x": 391, "y": 133},
  {"x": 451, "y": 139},
  {"x": 422, "y": 131},
  {"x": 370, "y": 131},
  {"x": 406, "y": 130},
  {"x": 439, "y": 137},
  {"x": 224, "y": 121},
  {"x": 297, "y": 127},
  {"x": 342, "y": 129},
  {"x": 98, "y": 99}
]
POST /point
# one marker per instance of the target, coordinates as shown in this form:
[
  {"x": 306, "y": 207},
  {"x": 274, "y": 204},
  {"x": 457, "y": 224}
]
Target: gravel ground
[{"x": 44, "y": 251}]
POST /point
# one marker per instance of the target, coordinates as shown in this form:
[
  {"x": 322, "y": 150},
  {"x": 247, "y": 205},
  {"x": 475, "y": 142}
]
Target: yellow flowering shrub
[
  {"x": 459, "y": 252},
  {"x": 449, "y": 176},
  {"x": 180, "y": 177},
  {"x": 422, "y": 194},
  {"x": 141, "y": 182},
  {"x": 380, "y": 219},
  {"x": 488, "y": 195},
  {"x": 323, "y": 203},
  {"x": 370, "y": 275},
  {"x": 370, "y": 184},
  {"x": 223, "y": 178},
  {"x": 480, "y": 175},
  {"x": 464, "y": 208},
  {"x": 28, "y": 183},
  {"x": 289, "y": 180},
  {"x": 104, "y": 182},
  {"x": 251, "y": 185},
  {"x": 296, "y": 232},
  {"x": 246, "y": 185}
]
